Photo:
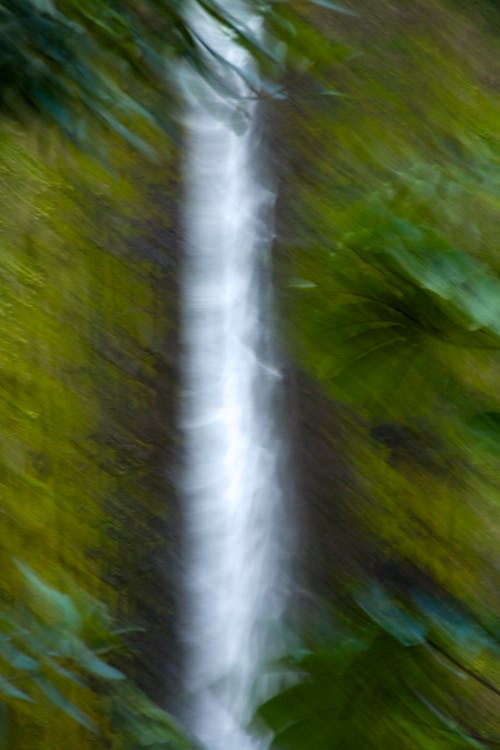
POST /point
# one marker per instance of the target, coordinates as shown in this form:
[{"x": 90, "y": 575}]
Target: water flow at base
[{"x": 233, "y": 504}]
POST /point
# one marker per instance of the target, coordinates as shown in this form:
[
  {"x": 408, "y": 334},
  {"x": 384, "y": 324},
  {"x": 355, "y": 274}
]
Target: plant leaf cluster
[
  {"x": 89, "y": 63},
  {"x": 391, "y": 673},
  {"x": 55, "y": 646},
  {"x": 51, "y": 644},
  {"x": 409, "y": 300}
]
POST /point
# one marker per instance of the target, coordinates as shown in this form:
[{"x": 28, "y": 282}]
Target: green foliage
[
  {"x": 392, "y": 274},
  {"x": 406, "y": 298},
  {"x": 53, "y": 645},
  {"x": 57, "y": 67},
  {"x": 50, "y": 643},
  {"x": 79, "y": 65},
  {"x": 136, "y": 723},
  {"x": 391, "y": 673},
  {"x": 390, "y": 250},
  {"x": 84, "y": 325}
]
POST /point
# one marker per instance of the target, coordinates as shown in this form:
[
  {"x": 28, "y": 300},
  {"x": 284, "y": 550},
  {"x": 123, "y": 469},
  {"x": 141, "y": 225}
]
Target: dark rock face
[
  {"x": 140, "y": 425},
  {"x": 332, "y": 549}
]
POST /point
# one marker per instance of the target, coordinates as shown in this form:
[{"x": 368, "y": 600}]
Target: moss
[
  {"x": 411, "y": 144},
  {"x": 83, "y": 327}
]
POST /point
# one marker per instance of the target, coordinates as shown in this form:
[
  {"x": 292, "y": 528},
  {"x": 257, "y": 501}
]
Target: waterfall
[{"x": 232, "y": 498}]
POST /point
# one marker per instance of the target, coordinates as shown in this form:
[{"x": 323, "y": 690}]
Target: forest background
[{"x": 383, "y": 123}]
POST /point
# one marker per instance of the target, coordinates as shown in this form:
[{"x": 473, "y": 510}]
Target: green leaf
[
  {"x": 145, "y": 724},
  {"x": 454, "y": 627},
  {"x": 60, "y": 701},
  {"x": 392, "y": 617},
  {"x": 11, "y": 691},
  {"x": 91, "y": 663},
  {"x": 16, "y": 658},
  {"x": 60, "y": 670},
  {"x": 51, "y": 605},
  {"x": 335, "y": 7},
  {"x": 301, "y": 284}
]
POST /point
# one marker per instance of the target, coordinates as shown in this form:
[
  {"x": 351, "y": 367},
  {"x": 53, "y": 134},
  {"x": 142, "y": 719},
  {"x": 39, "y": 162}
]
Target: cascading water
[{"x": 233, "y": 584}]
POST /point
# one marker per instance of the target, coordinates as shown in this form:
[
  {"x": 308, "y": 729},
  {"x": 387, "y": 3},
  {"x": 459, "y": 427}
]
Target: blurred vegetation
[
  {"x": 386, "y": 673},
  {"x": 87, "y": 393},
  {"x": 385, "y": 118},
  {"x": 88, "y": 282},
  {"x": 89, "y": 67},
  {"x": 53, "y": 651},
  {"x": 390, "y": 292},
  {"x": 393, "y": 295}
]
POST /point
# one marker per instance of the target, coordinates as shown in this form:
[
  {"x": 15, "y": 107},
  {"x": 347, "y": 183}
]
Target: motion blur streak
[{"x": 233, "y": 504}]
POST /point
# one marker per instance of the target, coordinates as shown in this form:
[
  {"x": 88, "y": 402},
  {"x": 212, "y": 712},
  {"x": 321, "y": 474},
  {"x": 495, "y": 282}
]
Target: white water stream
[{"x": 233, "y": 515}]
